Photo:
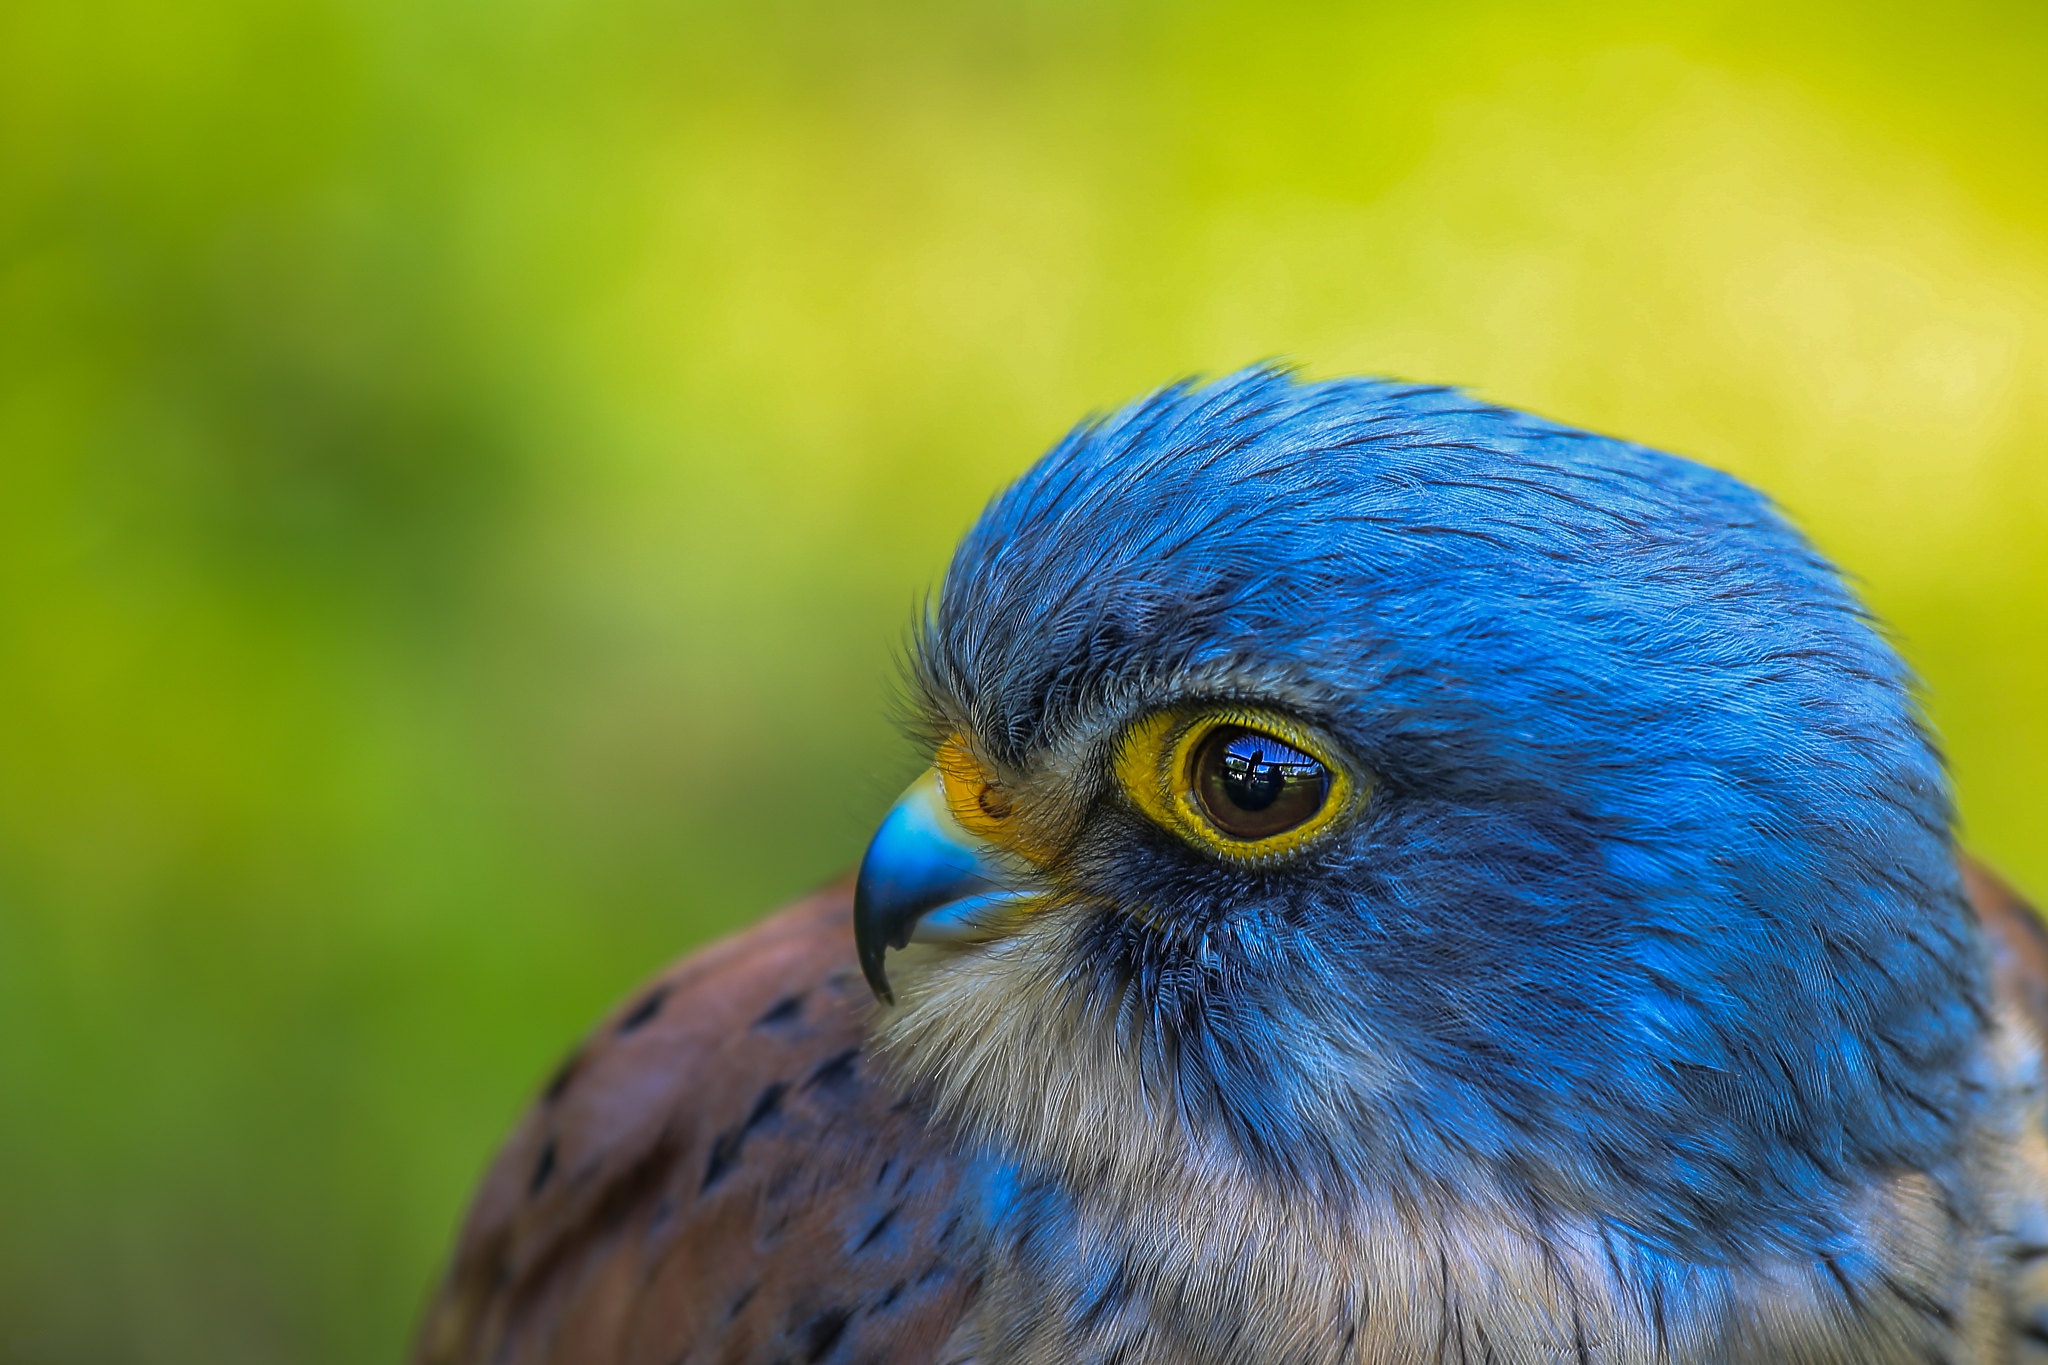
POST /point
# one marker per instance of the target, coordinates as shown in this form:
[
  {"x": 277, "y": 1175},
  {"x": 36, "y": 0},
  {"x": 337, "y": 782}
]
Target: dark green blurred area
[{"x": 465, "y": 469}]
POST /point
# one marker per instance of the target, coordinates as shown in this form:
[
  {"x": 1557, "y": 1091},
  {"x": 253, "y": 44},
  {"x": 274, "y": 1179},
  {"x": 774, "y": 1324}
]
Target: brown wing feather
[
  {"x": 2018, "y": 943},
  {"x": 717, "y": 1175},
  {"x": 2018, "y": 946}
]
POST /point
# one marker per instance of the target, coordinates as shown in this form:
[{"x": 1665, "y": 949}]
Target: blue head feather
[{"x": 1653, "y": 908}]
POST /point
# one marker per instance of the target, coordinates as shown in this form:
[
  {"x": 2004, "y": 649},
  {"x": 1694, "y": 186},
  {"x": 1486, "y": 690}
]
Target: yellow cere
[
  {"x": 986, "y": 808},
  {"x": 1155, "y": 764},
  {"x": 974, "y": 797}
]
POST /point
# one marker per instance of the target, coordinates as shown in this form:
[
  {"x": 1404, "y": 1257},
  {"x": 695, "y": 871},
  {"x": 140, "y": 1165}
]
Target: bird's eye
[
  {"x": 1241, "y": 782},
  {"x": 1253, "y": 785}
]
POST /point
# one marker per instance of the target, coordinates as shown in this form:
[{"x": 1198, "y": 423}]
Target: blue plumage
[{"x": 1650, "y": 919}]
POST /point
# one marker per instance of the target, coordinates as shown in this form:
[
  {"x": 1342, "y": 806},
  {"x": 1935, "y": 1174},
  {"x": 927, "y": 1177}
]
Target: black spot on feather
[
  {"x": 784, "y": 1011},
  {"x": 564, "y": 1073},
  {"x": 726, "y": 1147},
  {"x": 543, "y": 1170},
  {"x": 642, "y": 1013},
  {"x": 765, "y": 1106},
  {"x": 725, "y": 1153},
  {"x": 881, "y": 1226},
  {"x": 835, "y": 1071},
  {"x": 823, "y": 1333}
]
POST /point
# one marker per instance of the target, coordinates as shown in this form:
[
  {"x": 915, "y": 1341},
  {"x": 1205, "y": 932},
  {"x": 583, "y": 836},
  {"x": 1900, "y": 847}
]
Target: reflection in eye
[{"x": 1252, "y": 785}]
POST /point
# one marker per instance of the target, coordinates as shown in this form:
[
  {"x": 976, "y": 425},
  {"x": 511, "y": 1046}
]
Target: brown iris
[{"x": 1254, "y": 786}]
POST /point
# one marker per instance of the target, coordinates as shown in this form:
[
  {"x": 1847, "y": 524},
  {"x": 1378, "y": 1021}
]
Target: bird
[{"x": 1398, "y": 879}]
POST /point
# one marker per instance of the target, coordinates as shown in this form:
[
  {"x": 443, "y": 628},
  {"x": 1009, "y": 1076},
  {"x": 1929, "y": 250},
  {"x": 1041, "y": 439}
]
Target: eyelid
[{"x": 1153, "y": 764}]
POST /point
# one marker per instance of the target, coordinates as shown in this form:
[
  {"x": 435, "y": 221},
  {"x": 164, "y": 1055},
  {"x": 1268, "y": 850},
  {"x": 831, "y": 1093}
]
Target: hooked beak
[{"x": 926, "y": 879}]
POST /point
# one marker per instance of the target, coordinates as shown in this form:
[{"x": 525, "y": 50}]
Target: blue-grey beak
[{"x": 925, "y": 879}]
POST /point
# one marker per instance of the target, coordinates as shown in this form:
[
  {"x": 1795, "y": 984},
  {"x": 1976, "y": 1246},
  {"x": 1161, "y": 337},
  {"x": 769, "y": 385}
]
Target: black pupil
[{"x": 1254, "y": 786}]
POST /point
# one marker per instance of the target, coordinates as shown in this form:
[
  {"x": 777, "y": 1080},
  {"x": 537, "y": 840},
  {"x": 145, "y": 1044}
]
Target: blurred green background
[{"x": 465, "y": 468}]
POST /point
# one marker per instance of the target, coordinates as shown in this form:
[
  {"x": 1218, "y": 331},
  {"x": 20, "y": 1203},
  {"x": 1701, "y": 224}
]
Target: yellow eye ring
[{"x": 1156, "y": 764}]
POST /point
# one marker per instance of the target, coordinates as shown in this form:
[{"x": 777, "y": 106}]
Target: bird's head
[{"x": 1374, "y": 792}]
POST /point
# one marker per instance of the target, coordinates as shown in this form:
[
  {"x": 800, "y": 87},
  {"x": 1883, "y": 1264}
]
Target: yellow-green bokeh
[{"x": 464, "y": 470}]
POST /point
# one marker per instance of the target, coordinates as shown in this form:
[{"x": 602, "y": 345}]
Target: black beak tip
[
  {"x": 871, "y": 968},
  {"x": 871, "y": 942}
]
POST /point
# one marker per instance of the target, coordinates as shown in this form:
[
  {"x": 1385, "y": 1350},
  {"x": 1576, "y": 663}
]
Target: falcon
[{"x": 1398, "y": 880}]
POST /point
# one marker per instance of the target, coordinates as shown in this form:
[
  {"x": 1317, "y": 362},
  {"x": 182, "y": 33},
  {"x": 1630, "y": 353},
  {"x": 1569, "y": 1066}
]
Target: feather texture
[
  {"x": 829, "y": 1229},
  {"x": 716, "y": 1175}
]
